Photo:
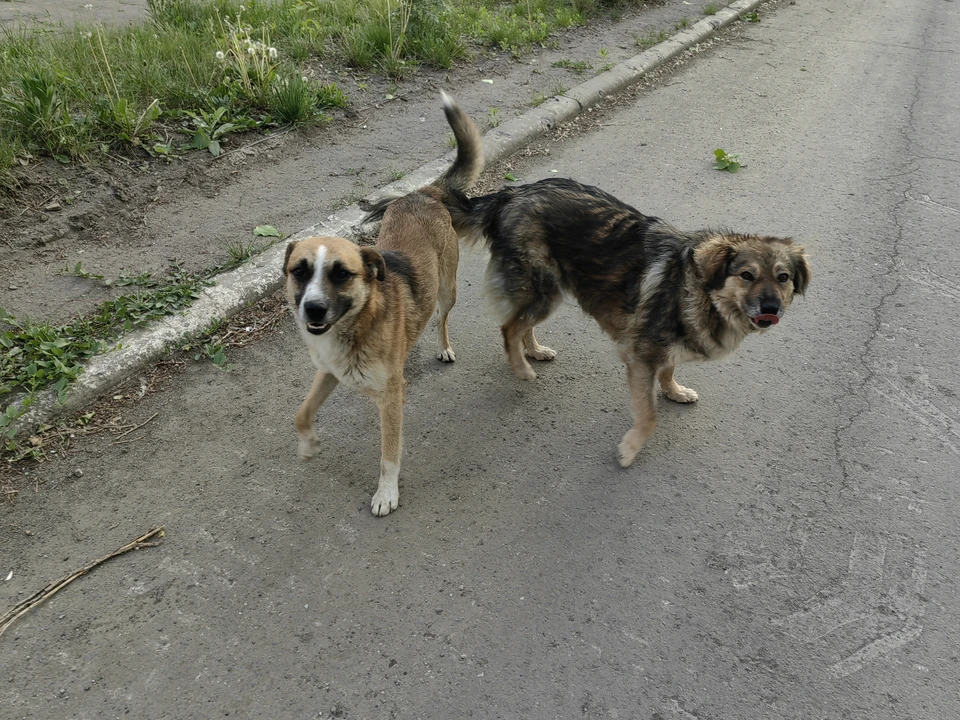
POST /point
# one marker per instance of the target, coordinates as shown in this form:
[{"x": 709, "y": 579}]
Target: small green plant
[
  {"x": 451, "y": 141},
  {"x": 652, "y": 38},
  {"x": 510, "y": 176},
  {"x": 538, "y": 98},
  {"x": 397, "y": 174},
  {"x": 684, "y": 23},
  {"x": 35, "y": 107},
  {"x": 293, "y": 101},
  {"x": 730, "y": 163},
  {"x": 711, "y": 8},
  {"x": 753, "y": 17},
  {"x": 578, "y": 67},
  {"x": 602, "y": 53},
  {"x": 493, "y": 117},
  {"x": 239, "y": 252},
  {"x": 209, "y": 130},
  {"x": 331, "y": 96},
  {"x": 124, "y": 122}
]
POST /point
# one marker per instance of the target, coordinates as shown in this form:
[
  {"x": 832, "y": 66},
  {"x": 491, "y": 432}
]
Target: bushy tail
[
  {"x": 466, "y": 167},
  {"x": 469, "y": 163}
]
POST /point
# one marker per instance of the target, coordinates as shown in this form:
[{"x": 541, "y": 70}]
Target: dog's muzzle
[
  {"x": 315, "y": 317},
  {"x": 765, "y": 320}
]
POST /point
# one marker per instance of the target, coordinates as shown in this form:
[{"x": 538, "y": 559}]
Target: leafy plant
[
  {"x": 730, "y": 163},
  {"x": 652, "y": 38},
  {"x": 711, "y": 8},
  {"x": 125, "y": 123},
  {"x": 293, "y": 101},
  {"x": 753, "y": 17},
  {"x": 209, "y": 130},
  {"x": 493, "y": 116}
]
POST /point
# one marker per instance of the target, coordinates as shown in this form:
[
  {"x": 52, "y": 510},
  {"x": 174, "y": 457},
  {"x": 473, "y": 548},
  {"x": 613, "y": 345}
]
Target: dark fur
[{"x": 557, "y": 236}]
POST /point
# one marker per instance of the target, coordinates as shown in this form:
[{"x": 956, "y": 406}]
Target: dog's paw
[
  {"x": 308, "y": 447},
  {"x": 525, "y": 373},
  {"x": 540, "y": 353},
  {"x": 385, "y": 501},
  {"x": 446, "y": 355},
  {"x": 629, "y": 447},
  {"x": 682, "y": 394}
]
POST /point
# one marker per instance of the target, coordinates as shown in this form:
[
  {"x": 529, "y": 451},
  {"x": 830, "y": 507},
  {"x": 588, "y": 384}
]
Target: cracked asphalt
[{"x": 786, "y": 548}]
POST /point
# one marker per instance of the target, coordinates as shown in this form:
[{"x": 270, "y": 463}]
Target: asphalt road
[{"x": 786, "y": 548}]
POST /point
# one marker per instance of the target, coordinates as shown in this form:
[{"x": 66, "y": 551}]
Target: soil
[{"x": 134, "y": 214}]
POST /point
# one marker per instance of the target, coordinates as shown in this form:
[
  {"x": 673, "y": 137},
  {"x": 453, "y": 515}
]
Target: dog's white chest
[{"x": 329, "y": 355}]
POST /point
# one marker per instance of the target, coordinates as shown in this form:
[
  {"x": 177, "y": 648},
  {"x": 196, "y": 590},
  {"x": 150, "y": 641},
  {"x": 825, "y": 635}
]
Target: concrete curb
[{"x": 237, "y": 289}]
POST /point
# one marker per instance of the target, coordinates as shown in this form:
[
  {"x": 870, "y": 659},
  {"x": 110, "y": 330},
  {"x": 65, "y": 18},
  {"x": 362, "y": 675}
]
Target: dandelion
[
  {"x": 272, "y": 52},
  {"x": 304, "y": 78},
  {"x": 88, "y": 35},
  {"x": 251, "y": 50},
  {"x": 220, "y": 55}
]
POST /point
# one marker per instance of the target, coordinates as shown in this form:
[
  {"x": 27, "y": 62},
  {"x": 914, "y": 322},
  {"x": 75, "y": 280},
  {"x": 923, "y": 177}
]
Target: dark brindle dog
[{"x": 663, "y": 295}]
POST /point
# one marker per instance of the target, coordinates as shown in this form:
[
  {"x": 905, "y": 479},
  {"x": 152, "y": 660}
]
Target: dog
[
  {"x": 664, "y": 296},
  {"x": 361, "y": 309}
]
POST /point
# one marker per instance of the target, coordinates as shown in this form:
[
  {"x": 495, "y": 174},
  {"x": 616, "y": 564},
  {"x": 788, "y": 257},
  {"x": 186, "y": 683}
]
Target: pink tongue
[{"x": 773, "y": 319}]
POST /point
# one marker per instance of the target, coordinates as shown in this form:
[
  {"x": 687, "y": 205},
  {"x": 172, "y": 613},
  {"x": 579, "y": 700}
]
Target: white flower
[
  {"x": 305, "y": 78},
  {"x": 272, "y": 52},
  {"x": 88, "y": 35},
  {"x": 220, "y": 55},
  {"x": 251, "y": 51}
]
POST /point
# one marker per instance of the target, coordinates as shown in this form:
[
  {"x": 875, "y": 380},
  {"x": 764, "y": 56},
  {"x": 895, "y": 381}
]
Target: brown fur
[
  {"x": 365, "y": 308},
  {"x": 664, "y": 296}
]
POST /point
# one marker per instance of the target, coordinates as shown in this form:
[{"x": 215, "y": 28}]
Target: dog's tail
[{"x": 466, "y": 168}]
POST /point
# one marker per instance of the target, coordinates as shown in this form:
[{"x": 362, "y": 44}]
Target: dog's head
[
  {"x": 752, "y": 279},
  {"x": 329, "y": 280}
]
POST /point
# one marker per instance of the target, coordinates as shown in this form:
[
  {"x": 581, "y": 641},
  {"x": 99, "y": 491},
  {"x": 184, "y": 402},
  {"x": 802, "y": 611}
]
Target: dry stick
[
  {"x": 22, "y": 608},
  {"x": 138, "y": 426}
]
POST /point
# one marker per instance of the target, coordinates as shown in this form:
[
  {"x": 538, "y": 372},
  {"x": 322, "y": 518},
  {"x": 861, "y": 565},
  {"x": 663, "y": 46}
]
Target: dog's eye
[
  {"x": 340, "y": 274},
  {"x": 783, "y": 277},
  {"x": 747, "y": 276},
  {"x": 300, "y": 271}
]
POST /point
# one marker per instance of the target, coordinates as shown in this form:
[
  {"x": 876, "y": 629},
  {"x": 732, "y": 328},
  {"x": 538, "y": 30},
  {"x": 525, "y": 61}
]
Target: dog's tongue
[{"x": 772, "y": 319}]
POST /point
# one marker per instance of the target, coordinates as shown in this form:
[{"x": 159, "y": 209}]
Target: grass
[
  {"x": 72, "y": 93},
  {"x": 711, "y": 8},
  {"x": 654, "y": 37},
  {"x": 578, "y": 67}
]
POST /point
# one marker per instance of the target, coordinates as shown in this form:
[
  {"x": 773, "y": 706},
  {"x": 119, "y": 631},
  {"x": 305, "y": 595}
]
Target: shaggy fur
[{"x": 664, "y": 296}]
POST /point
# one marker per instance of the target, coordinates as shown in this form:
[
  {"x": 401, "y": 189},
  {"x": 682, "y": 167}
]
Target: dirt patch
[{"x": 134, "y": 214}]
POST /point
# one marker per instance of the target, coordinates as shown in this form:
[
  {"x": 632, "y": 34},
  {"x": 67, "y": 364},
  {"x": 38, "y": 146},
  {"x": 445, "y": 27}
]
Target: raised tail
[
  {"x": 465, "y": 170},
  {"x": 469, "y": 163}
]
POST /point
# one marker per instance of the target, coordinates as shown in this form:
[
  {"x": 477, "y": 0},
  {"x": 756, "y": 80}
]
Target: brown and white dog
[
  {"x": 361, "y": 309},
  {"x": 663, "y": 295}
]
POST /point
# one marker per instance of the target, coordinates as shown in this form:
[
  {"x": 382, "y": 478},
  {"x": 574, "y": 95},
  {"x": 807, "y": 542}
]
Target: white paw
[
  {"x": 385, "y": 500},
  {"x": 540, "y": 353},
  {"x": 446, "y": 355},
  {"x": 525, "y": 373},
  {"x": 308, "y": 447},
  {"x": 629, "y": 447},
  {"x": 683, "y": 395}
]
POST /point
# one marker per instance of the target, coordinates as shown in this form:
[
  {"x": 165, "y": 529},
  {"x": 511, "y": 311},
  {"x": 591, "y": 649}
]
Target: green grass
[
  {"x": 711, "y": 8},
  {"x": 654, "y": 37},
  {"x": 77, "y": 91},
  {"x": 578, "y": 67}
]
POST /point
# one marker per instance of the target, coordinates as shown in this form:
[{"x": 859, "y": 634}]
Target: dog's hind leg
[
  {"x": 533, "y": 349},
  {"x": 446, "y": 298},
  {"x": 673, "y": 390},
  {"x": 513, "y": 335},
  {"x": 323, "y": 384},
  {"x": 387, "y": 497},
  {"x": 640, "y": 379}
]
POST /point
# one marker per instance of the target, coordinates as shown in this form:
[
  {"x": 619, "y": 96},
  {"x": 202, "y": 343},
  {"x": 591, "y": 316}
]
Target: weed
[
  {"x": 397, "y": 174},
  {"x": 711, "y": 8},
  {"x": 730, "y": 163},
  {"x": 493, "y": 117},
  {"x": 654, "y": 37},
  {"x": 578, "y": 67},
  {"x": 451, "y": 141},
  {"x": 753, "y": 17},
  {"x": 294, "y": 101},
  {"x": 684, "y": 23},
  {"x": 330, "y": 96},
  {"x": 209, "y": 130},
  {"x": 538, "y": 98},
  {"x": 240, "y": 251}
]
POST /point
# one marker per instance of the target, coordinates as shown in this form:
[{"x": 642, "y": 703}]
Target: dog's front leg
[
  {"x": 323, "y": 384},
  {"x": 674, "y": 390},
  {"x": 387, "y": 496},
  {"x": 640, "y": 379}
]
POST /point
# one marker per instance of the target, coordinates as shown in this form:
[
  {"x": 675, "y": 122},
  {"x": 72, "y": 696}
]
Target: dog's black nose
[
  {"x": 769, "y": 307},
  {"x": 315, "y": 311}
]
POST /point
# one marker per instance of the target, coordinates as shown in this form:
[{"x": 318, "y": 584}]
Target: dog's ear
[
  {"x": 373, "y": 262},
  {"x": 286, "y": 257},
  {"x": 801, "y": 270},
  {"x": 712, "y": 257}
]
